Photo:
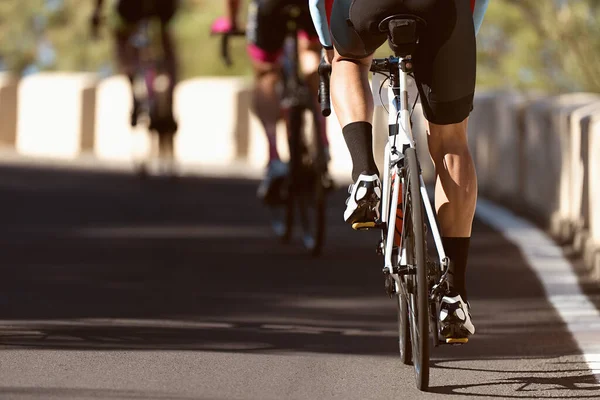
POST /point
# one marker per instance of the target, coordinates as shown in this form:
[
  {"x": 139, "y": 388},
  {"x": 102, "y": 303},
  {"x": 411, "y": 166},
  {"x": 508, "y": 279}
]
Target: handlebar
[{"x": 324, "y": 99}]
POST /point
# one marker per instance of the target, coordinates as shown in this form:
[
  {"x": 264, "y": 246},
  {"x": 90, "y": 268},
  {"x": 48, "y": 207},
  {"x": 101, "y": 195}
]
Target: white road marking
[{"x": 556, "y": 274}]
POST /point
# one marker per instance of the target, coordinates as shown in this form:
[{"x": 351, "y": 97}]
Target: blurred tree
[
  {"x": 28, "y": 27},
  {"x": 18, "y": 36},
  {"x": 550, "y": 45}
]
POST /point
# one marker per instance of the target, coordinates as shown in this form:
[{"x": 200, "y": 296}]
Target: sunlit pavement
[{"x": 115, "y": 287}]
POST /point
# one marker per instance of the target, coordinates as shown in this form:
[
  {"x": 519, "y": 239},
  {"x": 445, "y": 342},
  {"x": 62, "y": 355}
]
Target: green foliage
[
  {"x": 548, "y": 45},
  {"x": 523, "y": 44},
  {"x": 17, "y": 37},
  {"x": 68, "y": 29},
  {"x": 199, "y": 53}
]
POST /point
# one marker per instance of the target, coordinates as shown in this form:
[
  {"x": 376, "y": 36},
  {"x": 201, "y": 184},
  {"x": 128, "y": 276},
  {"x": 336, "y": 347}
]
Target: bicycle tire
[
  {"x": 404, "y": 343},
  {"x": 317, "y": 166},
  {"x": 312, "y": 205},
  {"x": 307, "y": 194},
  {"x": 418, "y": 304}
]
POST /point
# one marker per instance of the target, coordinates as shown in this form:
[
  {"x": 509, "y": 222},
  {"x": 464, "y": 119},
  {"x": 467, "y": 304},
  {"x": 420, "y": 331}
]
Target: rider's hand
[{"x": 223, "y": 25}]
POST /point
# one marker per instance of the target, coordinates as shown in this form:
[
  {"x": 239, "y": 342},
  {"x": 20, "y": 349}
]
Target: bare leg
[
  {"x": 310, "y": 57},
  {"x": 266, "y": 102},
  {"x": 456, "y": 181},
  {"x": 351, "y": 90},
  {"x": 455, "y": 196},
  {"x": 353, "y": 103}
]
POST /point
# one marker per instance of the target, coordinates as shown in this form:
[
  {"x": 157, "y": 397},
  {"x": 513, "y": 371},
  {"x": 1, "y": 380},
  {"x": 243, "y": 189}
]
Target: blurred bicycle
[
  {"x": 299, "y": 192},
  {"x": 145, "y": 54}
]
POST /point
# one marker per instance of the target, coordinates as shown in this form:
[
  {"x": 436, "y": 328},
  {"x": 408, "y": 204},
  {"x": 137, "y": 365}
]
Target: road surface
[{"x": 118, "y": 288}]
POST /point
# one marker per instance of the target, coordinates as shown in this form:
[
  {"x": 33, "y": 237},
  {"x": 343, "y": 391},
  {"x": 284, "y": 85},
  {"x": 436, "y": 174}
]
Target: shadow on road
[
  {"x": 105, "y": 261},
  {"x": 79, "y": 393}
]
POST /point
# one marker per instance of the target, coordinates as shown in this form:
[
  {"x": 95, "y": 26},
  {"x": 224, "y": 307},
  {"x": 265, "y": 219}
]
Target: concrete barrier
[
  {"x": 56, "y": 114},
  {"x": 114, "y": 138},
  {"x": 213, "y": 118},
  {"x": 564, "y": 224},
  {"x": 8, "y": 109},
  {"x": 547, "y": 160},
  {"x": 507, "y": 169},
  {"x": 579, "y": 212},
  {"x": 481, "y": 137},
  {"x": 592, "y": 248}
]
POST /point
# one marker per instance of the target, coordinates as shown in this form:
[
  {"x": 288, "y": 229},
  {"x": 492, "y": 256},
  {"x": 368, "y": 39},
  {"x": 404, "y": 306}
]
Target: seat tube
[
  {"x": 404, "y": 112},
  {"x": 400, "y": 133},
  {"x": 395, "y": 106}
]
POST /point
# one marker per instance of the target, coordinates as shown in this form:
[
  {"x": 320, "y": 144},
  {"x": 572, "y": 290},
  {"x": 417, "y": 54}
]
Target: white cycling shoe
[
  {"x": 362, "y": 207},
  {"x": 455, "y": 319}
]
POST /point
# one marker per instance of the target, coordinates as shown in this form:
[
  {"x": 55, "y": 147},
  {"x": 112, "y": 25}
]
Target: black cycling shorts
[
  {"x": 444, "y": 61},
  {"x": 134, "y": 11},
  {"x": 267, "y": 26}
]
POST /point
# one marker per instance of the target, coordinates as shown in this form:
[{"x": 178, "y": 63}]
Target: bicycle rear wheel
[
  {"x": 306, "y": 189},
  {"x": 417, "y": 284}
]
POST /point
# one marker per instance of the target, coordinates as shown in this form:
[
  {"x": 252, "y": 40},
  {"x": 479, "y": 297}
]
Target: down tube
[
  {"x": 432, "y": 221},
  {"x": 391, "y": 226},
  {"x": 385, "y": 201}
]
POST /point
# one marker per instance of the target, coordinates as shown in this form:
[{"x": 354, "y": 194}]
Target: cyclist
[
  {"x": 131, "y": 13},
  {"x": 266, "y": 30},
  {"x": 445, "y": 72}
]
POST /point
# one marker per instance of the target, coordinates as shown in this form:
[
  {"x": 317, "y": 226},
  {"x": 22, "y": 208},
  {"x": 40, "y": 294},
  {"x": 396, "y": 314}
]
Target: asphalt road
[{"x": 116, "y": 288}]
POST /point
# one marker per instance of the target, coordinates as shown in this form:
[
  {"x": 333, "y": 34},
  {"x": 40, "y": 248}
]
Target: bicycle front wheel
[{"x": 418, "y": 293}]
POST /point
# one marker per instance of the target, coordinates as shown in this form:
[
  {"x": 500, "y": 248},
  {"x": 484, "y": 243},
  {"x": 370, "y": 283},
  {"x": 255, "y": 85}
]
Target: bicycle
[
  {"x": 416, "y": 283},
  {"x": 304, "y": 189}
]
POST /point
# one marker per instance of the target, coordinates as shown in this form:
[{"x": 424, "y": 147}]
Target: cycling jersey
[{"x": 320, "y": 11}]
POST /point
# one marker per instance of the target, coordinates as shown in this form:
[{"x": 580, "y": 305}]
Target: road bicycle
[
  {"x": 415, "y": 282},
  {"x": 302, "y": 193}
]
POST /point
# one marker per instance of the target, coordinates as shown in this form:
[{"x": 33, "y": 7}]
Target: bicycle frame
[{"x": 400, "y": 135}]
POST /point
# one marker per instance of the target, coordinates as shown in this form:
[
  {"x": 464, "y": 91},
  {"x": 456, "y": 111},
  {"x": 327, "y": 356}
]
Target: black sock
[
  {"x": 457, "y": 249},
  {"x": 359, "y": 139}
]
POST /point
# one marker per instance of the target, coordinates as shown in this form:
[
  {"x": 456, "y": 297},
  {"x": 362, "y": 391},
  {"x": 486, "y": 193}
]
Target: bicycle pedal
[
  {"x": 363, "y": 226},
  {"x": 457, "y": 341}
]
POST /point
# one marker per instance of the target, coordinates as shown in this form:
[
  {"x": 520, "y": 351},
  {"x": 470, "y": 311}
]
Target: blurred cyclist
[
  {"x": 266, "y": 30},
  {"x": 131, "y": 13}
]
